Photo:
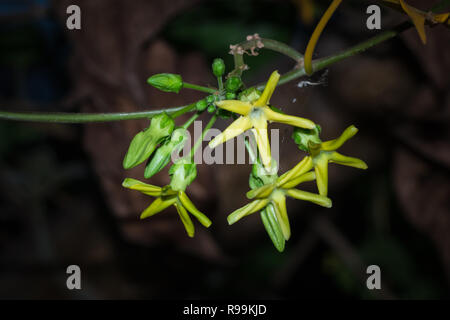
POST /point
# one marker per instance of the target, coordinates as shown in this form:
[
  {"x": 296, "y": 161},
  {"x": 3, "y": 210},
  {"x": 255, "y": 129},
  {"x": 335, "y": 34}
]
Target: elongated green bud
[
  {"x": 163, "y": 154},
  {"x": 167, "y": 82},
  {"x": 182, "y": 174},
  {"x": 145, "y": 142},
  {"x": 218, "y": 67}
]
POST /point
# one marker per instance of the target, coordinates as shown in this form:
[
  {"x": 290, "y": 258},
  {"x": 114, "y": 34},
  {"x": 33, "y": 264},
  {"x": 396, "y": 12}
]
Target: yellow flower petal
[
  {"x": 301, "y": 168},
  {"x": 187, "y": 203},
  {"x": 347, "y": 161},
  {"x": 157, "y": 206},
  {"x": 240, "y": 125},
  {"x": 280, "y": 209},
  {"x": 287, "y": 119},
  {"x": 337, "y": 143},
  {"x": 187, "y": 222},
  {"x": 268, "y": 90},
  {"x": 417, "y": 19},
  {"x": 262, "y": 192},
  {"x": 262, "y": 140},
  {"x": 235, "y": 106},
  {"x": 311, "y": 197},
  {"x": 246, "y": 210},
  {"x": 321, "y": 170},
  {"x": 148, "y": 189},
  {"x": 310, "y": 176}
]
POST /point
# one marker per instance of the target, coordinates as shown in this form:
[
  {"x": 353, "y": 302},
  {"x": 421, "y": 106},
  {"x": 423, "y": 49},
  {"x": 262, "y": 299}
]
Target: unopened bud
[
  {"x": 218, "y": 67},
  {"x": 167, "y": 82}
]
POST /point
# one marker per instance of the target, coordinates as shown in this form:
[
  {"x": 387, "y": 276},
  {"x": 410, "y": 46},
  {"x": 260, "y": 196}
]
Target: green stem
[
  {"x": 191, "y": 119},
  {"x": 61, "y": 117},
  {"x": 220, "y": 83},
  {"x": 198, "y": 88},
  {"x": 198, "y": 143},
  {"x": 186, "y": 109},
  {"x": 323, "y": 63}
]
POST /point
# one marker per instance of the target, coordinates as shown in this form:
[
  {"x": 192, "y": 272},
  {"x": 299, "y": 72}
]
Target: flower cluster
[
  {"x": 251, "y": 110},
  {"x": 268, "y": 190}
]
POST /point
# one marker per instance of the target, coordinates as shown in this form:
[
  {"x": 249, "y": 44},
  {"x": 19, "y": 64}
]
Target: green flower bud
[
  {"x": 145, "y": 142},
  {"x": 182, "y": 173},
  {"x": 163, "y": 154},
  {"x": 259, "y": 175},
  {"x": 210, "y": 99},
  {"x": 249, "y": 95},
  {"x": 233, "y": 84},
  {"x": 218, "y": 67},
  {"x": 211, "y": 108},
  {"x": 306, "y": 138},
  {"x": 230, "y": 96},
  {"x": 167, "y": 82},
  {"x": 201, "y": 105},
  {"x": 273, "y": 228}
]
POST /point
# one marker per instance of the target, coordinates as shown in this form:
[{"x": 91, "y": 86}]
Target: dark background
[{"x": 61, "y": 200}]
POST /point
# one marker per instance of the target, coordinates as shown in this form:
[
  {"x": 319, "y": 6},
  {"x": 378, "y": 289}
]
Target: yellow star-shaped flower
[
  {"x": 275, "y": 194},
  {"x": 166, "y": 197},
  {"x": 255, "y": 115},
  {"x": 324, "y": 152}
]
